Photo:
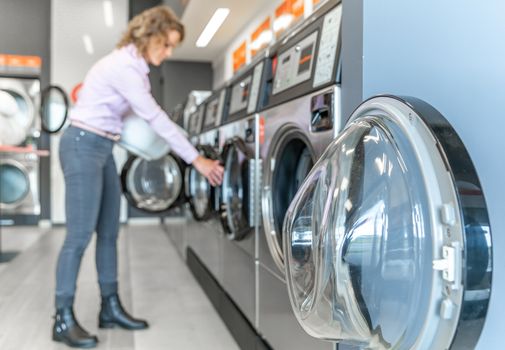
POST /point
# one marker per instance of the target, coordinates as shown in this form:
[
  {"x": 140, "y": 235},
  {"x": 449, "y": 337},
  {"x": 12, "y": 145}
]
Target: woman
[{"x": 115, "y": 85}]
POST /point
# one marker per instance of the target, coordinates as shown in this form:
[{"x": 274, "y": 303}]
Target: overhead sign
[
  {"x": 239, "y": 56},
  {"x": 261, "y": 37}
]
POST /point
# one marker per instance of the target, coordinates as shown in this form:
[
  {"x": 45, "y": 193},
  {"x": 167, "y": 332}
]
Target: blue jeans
[{"x": 92, "y": 203}]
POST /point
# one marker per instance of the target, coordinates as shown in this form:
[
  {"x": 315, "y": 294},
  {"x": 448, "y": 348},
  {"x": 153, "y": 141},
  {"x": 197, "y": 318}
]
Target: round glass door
[
  {"x": 291, "y": 159},
  {"x": 53, "y": 109},
  {"x": 14, "y": 184},
  {"x": 235, "y": 196},
  {"x": 16, "y": 114},
  {"x": 152, "y": 186},
  {"x": 388, "y": 243},
  {"x": 200, "y": 193}
]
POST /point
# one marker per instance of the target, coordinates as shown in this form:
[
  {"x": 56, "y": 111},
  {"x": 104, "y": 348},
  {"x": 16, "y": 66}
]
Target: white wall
[
  {"x": 70, "y": 20},
  {"x": 223, "y": 65}
]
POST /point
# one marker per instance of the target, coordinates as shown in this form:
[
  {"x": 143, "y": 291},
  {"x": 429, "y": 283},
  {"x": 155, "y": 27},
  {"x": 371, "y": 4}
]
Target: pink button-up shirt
[{"x": 117, "y": 84}]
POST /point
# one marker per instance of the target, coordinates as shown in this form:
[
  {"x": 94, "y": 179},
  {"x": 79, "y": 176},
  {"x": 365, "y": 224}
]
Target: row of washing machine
[
  {"x": 19, "y": 125},
  {"x": 374, "y": 234},
  {"x": 25, "y": 110}
]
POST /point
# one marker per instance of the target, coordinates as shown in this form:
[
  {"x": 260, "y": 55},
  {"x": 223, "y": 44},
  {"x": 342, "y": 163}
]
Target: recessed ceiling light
[{"x": 211, "y": 28}]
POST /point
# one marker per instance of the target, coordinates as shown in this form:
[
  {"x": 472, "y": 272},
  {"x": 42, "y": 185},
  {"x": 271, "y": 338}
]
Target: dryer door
[
  {"x": 291, "y": 158},
  {"x": 14, "y": 183},
  {"x": 17, "y": 109},
  {"x": 153, "y": 186},
  {"x": 199, "y": 192},
  {"x": 235, "y": 208},
  {"x": 388, "y": 244},
  {"x": 53, "y": 109}
]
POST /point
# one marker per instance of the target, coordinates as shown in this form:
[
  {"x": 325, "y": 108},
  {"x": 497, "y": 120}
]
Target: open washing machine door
[
  {"x": 154, "y": 186},
  {"x": 387, "y": 242},
  {"x": 291, "y": 158},
  {"x": 54, "y": 107},
  {"x": 235, "y": 199},
  {"x": 200, "y": 193}
]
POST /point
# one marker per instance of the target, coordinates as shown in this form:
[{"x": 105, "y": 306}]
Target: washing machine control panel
[
  {"x": 326, "y": 57},
  {"x": 214, "y": 111},
  {"x": 255, "y": 88},
  {"x": 195, "y": 121},
  {"x": 294, "y": 66},
  {"x": 240, "y": 94}
]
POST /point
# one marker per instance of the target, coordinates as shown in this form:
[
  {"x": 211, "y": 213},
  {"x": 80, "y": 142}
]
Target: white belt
[{"x": 108, "y": 135}]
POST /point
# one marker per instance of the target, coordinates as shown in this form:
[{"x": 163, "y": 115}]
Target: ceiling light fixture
[
  {"x": 211, "y": 28},
  {"x": 108, "y": 14},
  {"x": 88, "y": 44}
]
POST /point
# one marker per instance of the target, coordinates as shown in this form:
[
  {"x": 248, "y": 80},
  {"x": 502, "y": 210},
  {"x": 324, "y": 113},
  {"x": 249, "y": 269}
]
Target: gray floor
[{"x": 154, "y": 284}]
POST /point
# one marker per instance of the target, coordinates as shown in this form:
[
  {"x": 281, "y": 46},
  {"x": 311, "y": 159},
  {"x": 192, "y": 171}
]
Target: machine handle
[{"x": 321, "y": 107}]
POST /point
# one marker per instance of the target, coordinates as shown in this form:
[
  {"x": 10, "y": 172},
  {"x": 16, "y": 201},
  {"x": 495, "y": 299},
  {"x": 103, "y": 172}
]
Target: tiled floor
[{"x": 154, "y": 284}]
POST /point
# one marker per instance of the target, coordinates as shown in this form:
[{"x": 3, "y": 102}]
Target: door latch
[{"x": 450, "y": 264}]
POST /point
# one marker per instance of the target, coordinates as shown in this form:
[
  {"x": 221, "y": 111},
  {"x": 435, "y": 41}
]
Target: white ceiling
[{"x": 197, "y": 14}]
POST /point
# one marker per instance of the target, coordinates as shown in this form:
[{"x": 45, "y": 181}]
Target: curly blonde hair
[{"x": 151, "y": 23}]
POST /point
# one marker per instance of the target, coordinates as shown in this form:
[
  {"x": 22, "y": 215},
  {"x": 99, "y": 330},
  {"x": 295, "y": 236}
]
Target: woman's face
[{"x": 159, "y": 50}]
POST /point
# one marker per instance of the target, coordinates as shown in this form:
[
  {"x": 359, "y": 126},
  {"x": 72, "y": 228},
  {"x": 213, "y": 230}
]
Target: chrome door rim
[
  {"x": 233, "y": 231},
  {"x": 136, "y": 195},
  {"x": 285, "y": 134}
]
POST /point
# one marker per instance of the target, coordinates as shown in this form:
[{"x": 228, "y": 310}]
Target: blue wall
[{"x": 452, "y": 55}]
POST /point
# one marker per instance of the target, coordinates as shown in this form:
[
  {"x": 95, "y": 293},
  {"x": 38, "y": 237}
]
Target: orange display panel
[
  {"x": 287, "y": 13},
  {"x": 283, "y": 8},
  {"x": 297, "y": 8},
  {"x": 239, "y": 56},
  {"x": 20, "y": 61},
  {"x": 20, "y": 64},
  {"x": 261, "y": 37}
]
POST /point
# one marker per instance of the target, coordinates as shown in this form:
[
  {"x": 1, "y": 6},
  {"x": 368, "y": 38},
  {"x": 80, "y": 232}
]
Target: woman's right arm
[{"x": 131, "y": 85}]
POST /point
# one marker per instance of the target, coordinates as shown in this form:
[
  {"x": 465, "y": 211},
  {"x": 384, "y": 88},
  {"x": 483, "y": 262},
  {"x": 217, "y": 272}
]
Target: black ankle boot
[
  {"x": 66, "y": 329},
  {"x": 112, "y": 314}
]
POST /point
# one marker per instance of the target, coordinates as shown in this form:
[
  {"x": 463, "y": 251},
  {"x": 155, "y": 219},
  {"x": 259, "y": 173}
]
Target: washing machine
[
  {"x": 240, "y": 191},
  {"x": 157, "y": 186},
  {"x": 19, "y": 169},
  {"x": 388, "y": 242},
  {"x": 19, "y": 183},
  {"x": 206, "y": 233},
  {"x": 301, "y": 119},
  {"x": 194, "y": 99},
  {"x": 181, "y": 235},
  {"x": 23, "y": 124},
  {"x": 177, "y": 114}
]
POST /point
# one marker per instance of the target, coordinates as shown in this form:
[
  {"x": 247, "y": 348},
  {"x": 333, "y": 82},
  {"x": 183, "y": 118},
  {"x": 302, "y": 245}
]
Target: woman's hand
[{"x": 209, "y": 168}]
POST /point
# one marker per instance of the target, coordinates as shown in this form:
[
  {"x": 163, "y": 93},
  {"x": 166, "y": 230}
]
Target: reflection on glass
[
  {"x": 305, "y": 242},
  {"x": 22, "y": 114},
  {"x": 199, "y": 192},
  {"x": 235, "y": 190},
  {"x": 374, "y": 250},
  {"x": 14, "y": 184},
  {"x": 54, "y": 110},
  {"x": 156, "y": 184}
]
